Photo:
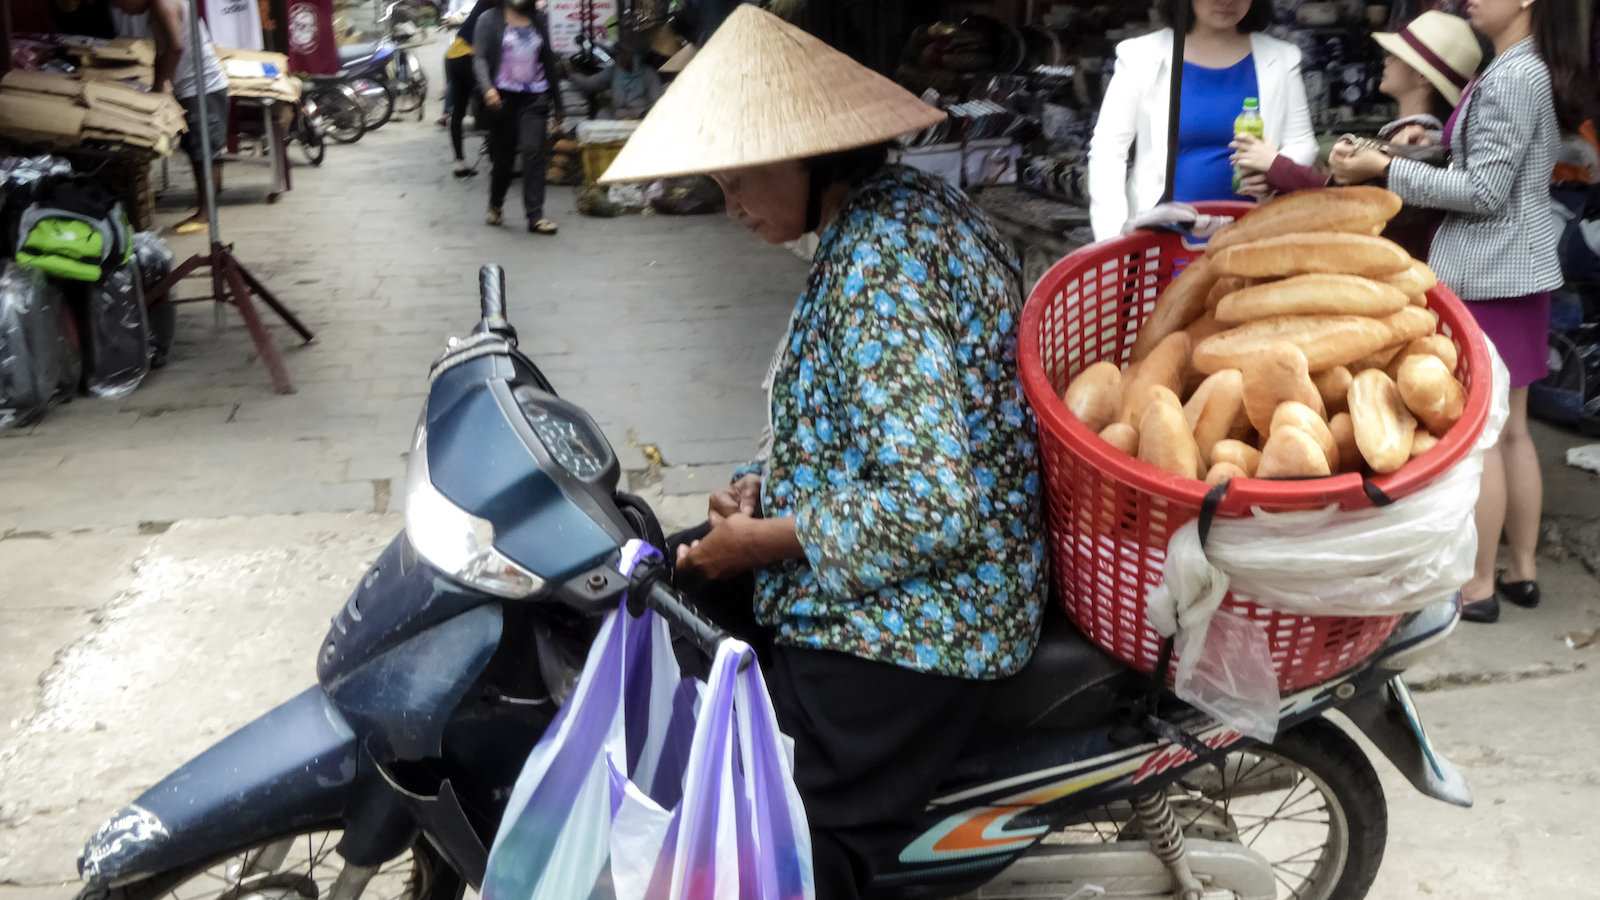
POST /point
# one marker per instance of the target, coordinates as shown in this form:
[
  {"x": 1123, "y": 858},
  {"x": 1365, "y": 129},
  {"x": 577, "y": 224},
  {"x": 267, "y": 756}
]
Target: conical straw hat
[
  {"x": 763, "y": 91},
  {"x": 679, "y": 60}
]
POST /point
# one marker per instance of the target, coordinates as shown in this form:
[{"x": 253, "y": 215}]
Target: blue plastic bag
[{"x": 652, "y": 785}]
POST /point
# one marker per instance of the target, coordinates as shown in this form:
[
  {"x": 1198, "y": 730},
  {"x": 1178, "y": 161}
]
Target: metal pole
[
  {"x": 205, "y": 122},
  {"x": 1180, "y": 37}
]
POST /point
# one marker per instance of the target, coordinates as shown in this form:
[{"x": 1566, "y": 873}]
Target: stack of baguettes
[{"x": 1299, "y": 346}]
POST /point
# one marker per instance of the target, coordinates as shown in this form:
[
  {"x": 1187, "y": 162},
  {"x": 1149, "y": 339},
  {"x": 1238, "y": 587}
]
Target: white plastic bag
[{"x": 1380, "y": 561}]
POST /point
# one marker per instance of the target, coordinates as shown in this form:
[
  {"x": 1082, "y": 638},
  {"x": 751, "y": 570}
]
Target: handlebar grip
[
  {"x": 492, "y": 296},
  {"x": 681, "y": 616}
]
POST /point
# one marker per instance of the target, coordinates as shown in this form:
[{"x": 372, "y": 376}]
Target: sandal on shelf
[
  {"x": 495, "y": 217},
  {"x": 542, "y": 226}
]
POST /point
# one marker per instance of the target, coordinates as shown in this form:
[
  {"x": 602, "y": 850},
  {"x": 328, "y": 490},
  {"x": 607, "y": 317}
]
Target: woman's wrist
[{"x": 775, "y": 540}]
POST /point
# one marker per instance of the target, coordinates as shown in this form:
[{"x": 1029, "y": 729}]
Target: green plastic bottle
[{"x": 1249, "y": 122}]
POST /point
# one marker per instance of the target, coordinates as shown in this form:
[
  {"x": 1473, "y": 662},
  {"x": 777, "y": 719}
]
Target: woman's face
[
  {"x": 1220, "y": 15},
  {"x": 1400, "y": 79},
  {"x": 1493, "y": 17},
  {"x": 769, "y": 200}
]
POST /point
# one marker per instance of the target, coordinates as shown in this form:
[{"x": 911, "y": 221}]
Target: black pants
[
  {"x": 459, "y": 85},
  {"x": 519, "y": 130},
  {"x": 872, "y": 740}
]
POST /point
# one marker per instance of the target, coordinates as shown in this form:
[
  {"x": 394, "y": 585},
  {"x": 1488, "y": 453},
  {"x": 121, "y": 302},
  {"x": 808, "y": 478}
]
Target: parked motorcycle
[
  {"x": 453, "y": 653},
  {"x": 332, "y": 108}
]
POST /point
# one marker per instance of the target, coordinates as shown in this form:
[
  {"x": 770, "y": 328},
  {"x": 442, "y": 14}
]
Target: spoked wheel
[
  {"x": 312, "y": 147},
  {"x": 1311, "y": 805},
  {"x": 341, "y": 114},
  {"x": 412, "y": 93},
  {"x": 301, "y": 866},
  {"x": 377, "y": 99}
]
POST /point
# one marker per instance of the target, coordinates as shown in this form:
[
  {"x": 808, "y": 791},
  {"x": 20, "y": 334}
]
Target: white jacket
[{"x": 1134, "y": 114}]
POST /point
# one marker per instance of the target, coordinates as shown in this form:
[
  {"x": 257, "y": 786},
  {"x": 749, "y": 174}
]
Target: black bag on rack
[
  {"x": 38, "y": 365},
  {"x": 116, "y": 333},
  {"x": 1570, "y": 395}
]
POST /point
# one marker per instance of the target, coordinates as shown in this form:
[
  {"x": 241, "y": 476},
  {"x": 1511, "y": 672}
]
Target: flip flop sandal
[{"x": 543, "y": 226}]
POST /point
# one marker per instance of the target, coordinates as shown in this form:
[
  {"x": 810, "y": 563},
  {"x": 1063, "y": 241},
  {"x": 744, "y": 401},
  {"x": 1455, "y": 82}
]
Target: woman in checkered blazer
[{"x": 1497, "y": 246}]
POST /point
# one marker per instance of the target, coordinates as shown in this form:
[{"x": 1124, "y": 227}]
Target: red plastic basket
[{"x": 1110, "y": 515}]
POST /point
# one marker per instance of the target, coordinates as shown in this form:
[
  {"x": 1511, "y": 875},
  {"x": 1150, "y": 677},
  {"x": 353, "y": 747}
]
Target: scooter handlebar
[
  {"x": 685, "y": 619},
  {"x": 492, "y": 297}
]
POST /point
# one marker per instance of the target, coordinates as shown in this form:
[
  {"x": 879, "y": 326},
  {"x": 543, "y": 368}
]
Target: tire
[
  {"x": 411, "y": 86},
  {"x": 312, "y": 147},
  {"x": 377, "y": 99},
  {"x": 343, "y": 117},
  {"x": 1325, "y": 750},
  {"x": 427, "y": 877}
]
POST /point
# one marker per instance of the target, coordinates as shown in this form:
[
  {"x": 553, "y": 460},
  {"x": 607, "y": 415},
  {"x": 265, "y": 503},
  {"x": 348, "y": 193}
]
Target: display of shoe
[
  {"x": 1484, "y": 612},
  {"x": 1522, "y": 593},
  {"x": 495, "y": 217}
]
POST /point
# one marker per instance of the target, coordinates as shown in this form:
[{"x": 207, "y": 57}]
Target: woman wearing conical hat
[{"x": 892, "y": 527}]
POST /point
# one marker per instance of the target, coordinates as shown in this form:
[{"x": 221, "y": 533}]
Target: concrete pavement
[{"x": 168, "y": 562}]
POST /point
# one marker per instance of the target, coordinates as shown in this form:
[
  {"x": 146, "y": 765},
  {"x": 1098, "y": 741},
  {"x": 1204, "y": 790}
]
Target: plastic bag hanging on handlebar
[
  {"x": 1380, "y": 561},
  {"x": 652, "y": 785}
]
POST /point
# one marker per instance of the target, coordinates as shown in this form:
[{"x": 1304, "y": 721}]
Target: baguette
[
  {"x": 1276, "y": 373},
  {"x": 1327, "y": 341},
  {"x": 1432, "y": 345},
  {"x": 1222, "y": 471},
  {"x": 1411, "y": 323},
  {"x": 1344, "y": 437},
  {"x": 1416, "y": 281},
  {"x": 1291, "y": 453},
  {"x": 1122, "y": 436},
  {"x": 1292, "y": 414},
  {"x": 1216, "y": 411},
  {"x": 1384, "y": 428},
  {"x": 1334, "y": 386},
  {"x": 1095, "y": 396},
  {"x": 1378, "y": 360},
  {"x": 1225, "y": 286},
  {"x": 1431, "y": 393},
  {"x": 1165, "y": 366},
  {"x": 1181, "y": 303},
  {"x": 1422, "y": 443},
  {"x": 1165, "y": 440},
  {"x": 1305, "y": 254},
  {"x": 1236, "y": 453},
  {"x": 1306, "y": 295},
  {"x": 1356, "y": 210}
]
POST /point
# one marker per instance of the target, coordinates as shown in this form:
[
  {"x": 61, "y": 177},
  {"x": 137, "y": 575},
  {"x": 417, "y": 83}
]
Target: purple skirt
[{"x": 1519, "y": 329}]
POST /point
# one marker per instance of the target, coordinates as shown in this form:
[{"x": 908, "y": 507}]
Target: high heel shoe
[
  {"x": 1523, "y": 593},
  {"x": 1484, "y": 612}
]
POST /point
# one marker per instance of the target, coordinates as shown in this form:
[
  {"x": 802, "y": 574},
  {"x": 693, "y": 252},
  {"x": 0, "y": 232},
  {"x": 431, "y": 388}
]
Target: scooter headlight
[{"x": 453, "y": 540}]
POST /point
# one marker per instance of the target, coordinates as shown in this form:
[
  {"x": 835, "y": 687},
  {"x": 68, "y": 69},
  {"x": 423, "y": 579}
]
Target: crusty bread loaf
[
  {"x": 1237, "y": 453},
  {"x": 1225, "y": 286},
  {"x": 1198, "y": 330},
  {"x": 1181, "y": 303},
  {"x": 1416, "y": 281},
  {"x": 1379, "y": 359},
  {"x": 1165, "y": 440},
  {"x": 1344, "y": 437},
  {"x": 1222, "y": 471},
  {"x": 1411, "y": 323},
  {"x": 1216, "y": 411},
  {"x": 1294, "y": 414},
  {"x": 1327, "y": 341},
  {"x": 1432, "y": 345},
  {"x": 1422, "y": 443},
  {"x": 1302, "y": 254},
  {"x": 1431, "y": 393},
  {"x": 1165, "y": 366},
  {"x": 1309, "y": 295},
  {"x": 1334, "y": 386},
  {"x": 1122, "y": 436},
  {"x": 1276, "y": 372},
  {"x": 1291, "y": 453},
  {"x": 1356, "y": 210},
  {"x": 1384, "y": 428},
  {"x": 1095, "y": 396}
]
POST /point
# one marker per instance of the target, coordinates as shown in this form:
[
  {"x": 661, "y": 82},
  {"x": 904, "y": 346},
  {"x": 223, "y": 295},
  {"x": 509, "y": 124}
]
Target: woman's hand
[
  {"x": 491, "y": 98},
  {"x": 1357, "y": 166},
  {"x": 1253, "y": 154},
  {"x": 1411, "y": 136},
  {"x": 1255, "y": 186},
  {"x": 739, "y": 543},
  {"x": 742, "y": 496}
]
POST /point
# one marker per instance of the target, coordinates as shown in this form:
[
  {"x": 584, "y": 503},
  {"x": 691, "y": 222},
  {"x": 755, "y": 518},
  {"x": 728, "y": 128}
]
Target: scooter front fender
[{"x": 290, "y": 769}]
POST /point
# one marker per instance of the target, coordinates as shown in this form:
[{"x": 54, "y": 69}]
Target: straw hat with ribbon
[
  {"x": 1440, "y": 46},
  {"x": 763, "y": 91}
]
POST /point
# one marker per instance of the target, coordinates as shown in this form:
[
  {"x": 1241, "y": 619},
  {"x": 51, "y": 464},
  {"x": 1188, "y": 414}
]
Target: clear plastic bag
[
  {"x": 1380, "y": 561},
  {"x": 156, "y": 262},
  {"x": 36, "y": 361},
  {"x": 116, "y": 339}
]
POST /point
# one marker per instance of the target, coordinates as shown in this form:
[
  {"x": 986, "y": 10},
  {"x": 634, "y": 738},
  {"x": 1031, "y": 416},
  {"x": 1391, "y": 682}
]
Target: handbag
[{"x": 652, "y": 785}]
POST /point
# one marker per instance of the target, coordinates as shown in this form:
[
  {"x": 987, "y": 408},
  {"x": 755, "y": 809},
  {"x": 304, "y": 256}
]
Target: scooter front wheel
[{"x": 296, "y": 865}]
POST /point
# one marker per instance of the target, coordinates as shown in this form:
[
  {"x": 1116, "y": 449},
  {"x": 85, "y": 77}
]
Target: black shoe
[
  {"x": 1486, "y": 612},
  {"x": 1523, "y": 593}
]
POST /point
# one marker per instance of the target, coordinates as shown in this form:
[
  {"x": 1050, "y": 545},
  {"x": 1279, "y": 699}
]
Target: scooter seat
[
  {"x": 1055, "y": 690},
  {"x": 349, "y": 53}
]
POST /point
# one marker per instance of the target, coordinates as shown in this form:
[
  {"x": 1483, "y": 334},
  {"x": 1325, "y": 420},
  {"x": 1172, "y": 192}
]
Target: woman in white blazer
[{"x": 1134, "y": 114}]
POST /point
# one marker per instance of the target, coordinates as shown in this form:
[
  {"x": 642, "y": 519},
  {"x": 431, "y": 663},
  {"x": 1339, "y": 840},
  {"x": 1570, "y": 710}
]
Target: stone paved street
[{"x": 168, "y": 561}]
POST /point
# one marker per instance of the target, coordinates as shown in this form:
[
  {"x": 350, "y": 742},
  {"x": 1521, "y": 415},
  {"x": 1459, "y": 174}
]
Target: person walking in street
[
  {"x": 518, "y": 73},
  {"x": 1497, "y": 248},
  {"x": 1227, "y": 59},
  {"x": 166, "y": 22},
  {"x": 891, "y": 537},
  {"x": 461, "y": 85},
  {"x": 1427, "y": 64}
]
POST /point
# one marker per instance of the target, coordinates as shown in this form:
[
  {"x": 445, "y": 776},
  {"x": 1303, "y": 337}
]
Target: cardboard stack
[
  {"x": 122, "y": 59},
  {"x": 63, "y": 111},
  {"x": 255, "y": 73}
]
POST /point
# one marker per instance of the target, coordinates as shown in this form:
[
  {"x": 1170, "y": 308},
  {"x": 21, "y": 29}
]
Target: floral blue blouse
[{"x": 902, "y": 445}]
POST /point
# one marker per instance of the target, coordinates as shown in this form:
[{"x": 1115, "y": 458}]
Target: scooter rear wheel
[{"x": 291, "y": 867}]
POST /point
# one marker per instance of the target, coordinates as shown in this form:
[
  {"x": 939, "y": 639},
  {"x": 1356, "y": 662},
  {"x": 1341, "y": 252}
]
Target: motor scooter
[{"x": 441, "y": 670}]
